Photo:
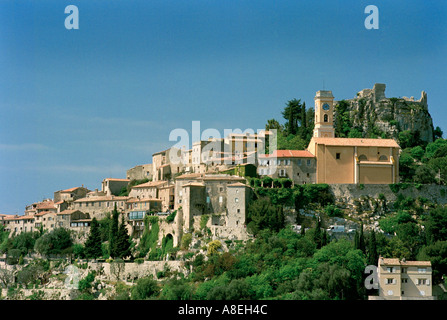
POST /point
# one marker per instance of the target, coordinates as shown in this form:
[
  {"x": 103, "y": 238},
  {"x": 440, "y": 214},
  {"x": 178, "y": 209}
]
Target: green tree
[
  {"x": 409, "y": 139},
  {"x": 435, "y": 149},
  {"x": 318, "y": 236},
  {"x": 342, "y": 123},
  {"x": 373, "y": 255},
  {"x": 113, "y": 234},
  {"x": 93, "y": 243},
  {"x": 292, "y": 113},
  {"x": 436, "y": 253},
  {"x": 145, "y": 288},
  {"x": 437, "y": 133},
  {"x": 436, "y": 225},
  {"x": 417, "y": 152},
  {"x": 263, "y": 214},
  {"x": 424, "y": 174},
  {"x": 362, "y": 246},
  {"x": 123, "y": 241},
  {"x": 274, "y": 124},
  {"x": 407, "y": 166},
  {"x": 56, "y": 242}
]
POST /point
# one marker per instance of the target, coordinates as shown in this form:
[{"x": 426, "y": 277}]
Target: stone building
[
  {"x": 297, "y": 165},
  {"x": 167, "y": 195},
  {"x": 97, "y": 204},
  {"x": 224, "y": 198},
  {"x": 166, "y": 164},
  {"x": 72, "y": 218},
  {"x": 404, "y": 280},
  {"x": 113, "y": 186},
  {"x": 136, "y": 210},
  {"x": 45, "y": 220},
  {"x": 16, "y": 224},
  {"x": 140, "y": 172},
  {"x": 147, "y": 190},
  {"x": 70, "y": 195}
]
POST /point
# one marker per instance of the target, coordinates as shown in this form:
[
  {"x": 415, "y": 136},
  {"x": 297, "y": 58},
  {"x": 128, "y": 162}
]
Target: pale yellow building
[
  {"x": 349, "y": 160},
  {"x": 404, "y": 280}
]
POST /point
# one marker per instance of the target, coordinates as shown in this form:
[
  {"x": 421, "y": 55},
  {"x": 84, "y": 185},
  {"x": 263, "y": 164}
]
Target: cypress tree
[
  {"x": 356, "y": 240},
  {"x": 373, "y": 255},
  {"x": 362, "y": 245},
  {"x": 113, "y": 234},
  {"x": 317, "y": 234},
  {"x": 123, "y": 241},
  {"x": 93, "y": 243}
]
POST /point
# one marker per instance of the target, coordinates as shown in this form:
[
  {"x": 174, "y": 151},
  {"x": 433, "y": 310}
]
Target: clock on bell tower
[{"x": 324, "y": 115}]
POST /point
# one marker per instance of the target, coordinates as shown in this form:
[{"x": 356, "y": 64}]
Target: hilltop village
[
  {"x": 214, "y": 186},
  {"x": 210, "y": 182}
]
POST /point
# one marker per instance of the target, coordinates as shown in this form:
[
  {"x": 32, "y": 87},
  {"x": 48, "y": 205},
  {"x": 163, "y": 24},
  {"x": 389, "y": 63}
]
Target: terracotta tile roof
[
  {"x": 237, "y": 184},
  {"x": 289, "y": 154},
  {"x": 43, "y": 213},
  {"x": 45, "y": 205},
  {"x": 16, "y": 217},
  {"x": 68, "y": 212},
  {"x": 116, "y": 179},
  {"x": 190, "y": 176},
  {"x": 397, "y": 262},
  {"x": 359, "y": 142},
  {"x": 194, "y": 184},
  {"x": 150, "y": 184},
  {"x": 133, "y": 200},
  {"x": 69, "y": 190},
  {"x": 9, "y": 217},
  {"x": 102, "y": 198},
  {"x": 222, "y": 177}
]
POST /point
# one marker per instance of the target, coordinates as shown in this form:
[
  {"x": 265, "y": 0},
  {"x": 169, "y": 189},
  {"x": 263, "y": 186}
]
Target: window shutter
[{"x": 428, "y": 282}]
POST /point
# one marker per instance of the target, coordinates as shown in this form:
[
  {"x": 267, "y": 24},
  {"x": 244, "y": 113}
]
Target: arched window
[
  {"x": 363, "y": 158},
  {"x": 325, "y": 118},
  {"x": 383, "y": 158}
]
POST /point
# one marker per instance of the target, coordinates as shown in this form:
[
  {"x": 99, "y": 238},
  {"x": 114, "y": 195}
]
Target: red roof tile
[{"x": 288, "y": 154}]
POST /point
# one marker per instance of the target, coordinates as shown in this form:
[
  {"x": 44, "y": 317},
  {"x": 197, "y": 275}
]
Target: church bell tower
[{"x": 324, "y": 115}]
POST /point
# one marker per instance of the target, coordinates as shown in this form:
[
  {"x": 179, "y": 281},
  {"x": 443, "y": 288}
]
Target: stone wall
[{"x": 349, "y": 192}]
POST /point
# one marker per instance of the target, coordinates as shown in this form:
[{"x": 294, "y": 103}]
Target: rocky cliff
[{"x": 371, "y": 112}]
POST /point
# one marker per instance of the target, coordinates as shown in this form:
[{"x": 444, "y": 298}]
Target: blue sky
[{"x": 78, "y": 106}]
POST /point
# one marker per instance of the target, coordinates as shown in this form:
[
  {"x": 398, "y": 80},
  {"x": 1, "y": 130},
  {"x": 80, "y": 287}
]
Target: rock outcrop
[{"x": 372, "y": 111}]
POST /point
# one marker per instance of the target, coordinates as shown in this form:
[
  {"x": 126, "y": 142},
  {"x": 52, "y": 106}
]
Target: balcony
[{"x": 137, "y": 215}]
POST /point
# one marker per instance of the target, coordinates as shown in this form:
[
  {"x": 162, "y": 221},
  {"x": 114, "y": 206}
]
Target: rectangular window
[
  {"x": 422, "y": 270},
  {"x": 220, "y": 199},
  {"x": 299, "y": 162},
  {"x": 390, "y": 281},
  {"x": 337, "y": 156},
  {"x": 390, "y": 269},
  {"x": 308, "y": 162}
]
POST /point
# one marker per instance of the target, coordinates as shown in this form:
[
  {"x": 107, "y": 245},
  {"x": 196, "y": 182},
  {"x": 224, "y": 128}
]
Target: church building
[{"x": 349, "y": 160}]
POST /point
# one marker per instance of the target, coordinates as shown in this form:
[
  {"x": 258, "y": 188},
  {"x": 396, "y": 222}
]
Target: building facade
[
  {"x": 349, "y": 160},
  {"x": 297, "y": 165},
  {"x": 404, "y": 280}
]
